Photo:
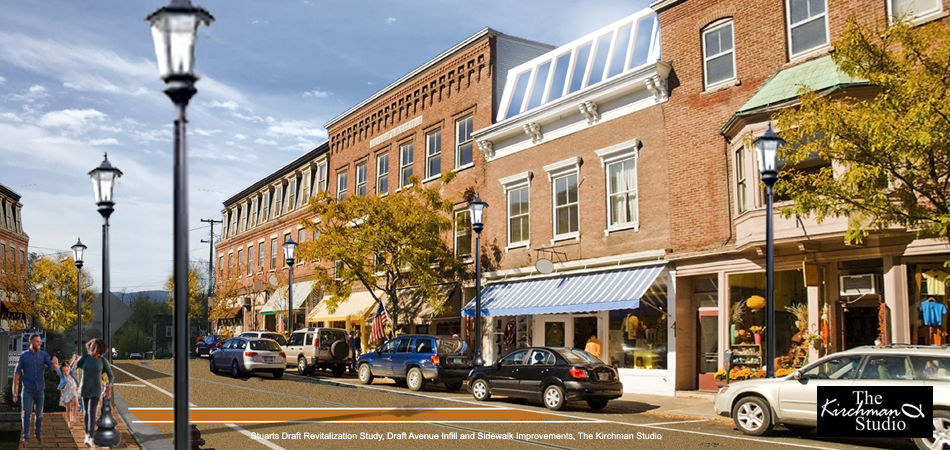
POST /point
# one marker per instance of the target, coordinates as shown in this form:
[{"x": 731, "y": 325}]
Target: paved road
[{"x": 149, "y": 384}]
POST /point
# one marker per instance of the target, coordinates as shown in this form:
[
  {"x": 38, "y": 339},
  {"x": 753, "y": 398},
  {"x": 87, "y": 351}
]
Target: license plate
[
  {"x": 457, "y": 360},
  {"x": 603, "y": 376},
  {"x": 268, "y": 359}
]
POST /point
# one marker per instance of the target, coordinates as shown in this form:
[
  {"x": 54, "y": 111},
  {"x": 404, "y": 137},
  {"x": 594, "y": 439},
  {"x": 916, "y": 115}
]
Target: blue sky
[{"x": 79, "y": 78}]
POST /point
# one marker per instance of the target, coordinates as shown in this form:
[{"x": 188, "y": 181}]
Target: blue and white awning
[{"x": 600, "y": 291}]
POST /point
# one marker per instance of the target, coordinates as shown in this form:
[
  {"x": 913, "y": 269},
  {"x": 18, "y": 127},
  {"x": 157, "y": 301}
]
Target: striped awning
[
  {"x": 278, "y": 300},
  {"x": 599, "y": 291}
]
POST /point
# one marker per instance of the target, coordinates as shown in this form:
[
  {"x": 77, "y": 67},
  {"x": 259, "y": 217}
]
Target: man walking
[
  {"x": 31, "y": 364},
  {"x": 356, "y": 347}
]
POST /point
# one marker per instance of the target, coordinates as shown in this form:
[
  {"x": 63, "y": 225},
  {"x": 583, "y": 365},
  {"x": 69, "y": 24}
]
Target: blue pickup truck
[{"x": 416, "y": 360}]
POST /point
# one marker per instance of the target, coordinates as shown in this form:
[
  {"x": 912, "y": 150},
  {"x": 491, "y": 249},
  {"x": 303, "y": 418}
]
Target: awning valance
[
  {"x": 11, "y": 307},
  {"x": 358, "y": 306},
  {"x": 422, "y": 312},
  {"x": 278, "y": 300},
  {"x": 232, "y": 313},
  {"x": 599, "y": 291}
]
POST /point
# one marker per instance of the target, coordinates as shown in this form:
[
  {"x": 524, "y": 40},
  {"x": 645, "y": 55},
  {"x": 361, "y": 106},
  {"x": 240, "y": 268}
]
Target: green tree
[
  {"x": 197, "y": 291},
  {"x": 384, "y": 244},
  {"x": 891, "y": 148},
  {"x": 54, "y": 283}
]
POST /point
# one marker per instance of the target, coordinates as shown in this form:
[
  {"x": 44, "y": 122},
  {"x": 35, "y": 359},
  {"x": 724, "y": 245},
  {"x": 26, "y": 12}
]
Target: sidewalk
[
  {"x": 685, "y": 405},
  {"x": 56, "y": 433}
]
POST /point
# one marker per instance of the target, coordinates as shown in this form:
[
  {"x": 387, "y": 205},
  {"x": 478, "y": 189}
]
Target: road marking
[
  {"x": 265, "y": 442},
  {"x": 678, "y": 422},
  {"x": 399, "y": 392},
  {"x": 127, "y": 384}
]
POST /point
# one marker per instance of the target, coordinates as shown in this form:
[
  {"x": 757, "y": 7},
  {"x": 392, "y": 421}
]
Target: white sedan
[{"x": 244, "y": 355}]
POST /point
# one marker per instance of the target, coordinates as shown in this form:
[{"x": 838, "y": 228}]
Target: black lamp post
[
  {"x": 289, "y": 247},
  {"x": 103, "y": 180},
  {"x": 766, "y": 148},
  {"x": 174, "y": 30},
  {"x": 77, "y": 258},
  {"x": 477, "y": 207}
]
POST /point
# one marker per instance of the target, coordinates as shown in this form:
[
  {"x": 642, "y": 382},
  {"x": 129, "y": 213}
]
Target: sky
[{"x": 77, "y": 81}]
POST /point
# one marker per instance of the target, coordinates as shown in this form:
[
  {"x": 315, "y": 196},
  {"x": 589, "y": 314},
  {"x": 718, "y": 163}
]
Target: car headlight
[{"x": 723, "y": 389}]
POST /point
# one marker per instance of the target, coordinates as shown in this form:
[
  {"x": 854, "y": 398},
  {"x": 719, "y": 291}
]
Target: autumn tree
[
  {"x": 891, "y": 149},
  {"x": 384, "y": 243},
  {"x": 197, "y": 290},
  {"x": 55, "y": 284}
]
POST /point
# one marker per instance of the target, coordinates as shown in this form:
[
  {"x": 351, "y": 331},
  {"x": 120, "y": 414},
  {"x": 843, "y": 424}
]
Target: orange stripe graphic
[{"x": 268, "y": 415}]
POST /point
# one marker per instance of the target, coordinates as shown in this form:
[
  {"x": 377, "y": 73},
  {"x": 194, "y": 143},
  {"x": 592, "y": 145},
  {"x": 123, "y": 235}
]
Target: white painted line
[
  {"x": 333, "y": 409},
  {"x": 678, "y": 422},
  {"x": 374, "y": 421},
  {"x": 265, "y": 442},
  {"x": 127, "y": 384}
]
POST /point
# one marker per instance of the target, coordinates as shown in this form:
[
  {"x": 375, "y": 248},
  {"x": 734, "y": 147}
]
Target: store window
[
  {"x": 637, "y": 337},
  {"x": 747, "y": 336},
  {"x": 928, "y": 303}
]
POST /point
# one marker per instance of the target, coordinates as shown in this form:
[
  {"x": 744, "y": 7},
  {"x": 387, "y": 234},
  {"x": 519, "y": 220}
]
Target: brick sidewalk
[{"x": 57, "y": 434}]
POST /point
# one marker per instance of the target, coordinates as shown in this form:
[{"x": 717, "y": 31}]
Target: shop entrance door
[
  {"x": 554, "y": 334},
  {"x": 584, "y": 329},
  {"x": 707, "y": 347},
  {"x": 860, "y": 326}
]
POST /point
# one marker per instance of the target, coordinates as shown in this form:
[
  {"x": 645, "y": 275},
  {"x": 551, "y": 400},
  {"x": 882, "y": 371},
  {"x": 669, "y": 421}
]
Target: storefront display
[
  {"x": 747, "y": 330},
  {"x": 928, "y": 303},
  {"x": 637, "y": 338}
]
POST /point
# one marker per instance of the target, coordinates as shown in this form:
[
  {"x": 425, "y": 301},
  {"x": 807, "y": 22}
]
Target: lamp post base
[{"x": 106, "y": 435}]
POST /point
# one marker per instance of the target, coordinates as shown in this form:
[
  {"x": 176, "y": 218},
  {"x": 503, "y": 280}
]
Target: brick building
[
  {"x": 736, "y": 63},
  {"x": 250, "y": 257},
  {"x": 13, "y": 258}
]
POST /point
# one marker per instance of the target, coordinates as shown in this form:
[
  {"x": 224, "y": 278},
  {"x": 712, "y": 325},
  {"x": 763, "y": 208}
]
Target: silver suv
[
  {"x": 319, "y": 348},
  {"x": 757, "y": 405}
]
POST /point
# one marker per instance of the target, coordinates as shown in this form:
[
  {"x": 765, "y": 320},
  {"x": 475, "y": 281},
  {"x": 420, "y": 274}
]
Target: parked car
[
  {"x": 416, "y": 360},
  {"x": 273, "y": 335},
  {"x": 135, "y": 356},
  {"x": 555, "y": 375},
  {"x": 245, "y": 355},
  {"x": 207, "y": 345},
  {"x": 319, "y": 348},
  {"x": 757, "y": 405}
]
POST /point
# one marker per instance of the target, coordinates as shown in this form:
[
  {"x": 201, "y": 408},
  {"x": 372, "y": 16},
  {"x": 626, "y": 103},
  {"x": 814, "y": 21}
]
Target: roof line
[
  {"x": 317, "y": 151},
  {"x": 9, "y": 192}
]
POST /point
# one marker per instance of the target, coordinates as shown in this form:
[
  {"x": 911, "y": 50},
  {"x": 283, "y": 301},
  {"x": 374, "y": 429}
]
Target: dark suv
[
  {"x": 416, "y": 359},
  {"x": 319, "y": 348},
  {"x": 207, "y": 345}
]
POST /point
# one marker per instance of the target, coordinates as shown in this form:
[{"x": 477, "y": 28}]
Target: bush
[{"x": 162, "y": 353}]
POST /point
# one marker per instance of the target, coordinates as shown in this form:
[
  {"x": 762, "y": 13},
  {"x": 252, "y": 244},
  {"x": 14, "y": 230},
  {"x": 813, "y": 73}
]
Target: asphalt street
[{"x": 149, "y": 384}]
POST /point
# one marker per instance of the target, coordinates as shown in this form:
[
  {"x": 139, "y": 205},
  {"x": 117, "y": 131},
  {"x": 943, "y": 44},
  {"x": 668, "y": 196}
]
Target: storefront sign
[
  {"x": 875, "y": 411},
  {"x": 395, "y": 131}
]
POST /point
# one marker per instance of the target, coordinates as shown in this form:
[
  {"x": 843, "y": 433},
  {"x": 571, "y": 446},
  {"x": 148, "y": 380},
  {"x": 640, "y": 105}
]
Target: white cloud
[
  {"x": 107, "y": 141},
  {"x": 257, "y": 119},
  {"x": 10, "y": 117},
  {"x": 390, "y": 20},
  {"x": 3, "y": 80},
  {"x": 229, "y": 143},
  {"x": 74, "y": 119},
  {"x": 265, "y": 142},
  {"x": 316, "y": 93},
  {"x": 204, "y": 132},
  {"x": 296, "y": 128},
  {"x": 270, "y": 119},
  {"x": 229, "y": 105},
  {"x": 37, "y": 89},
  {"x": 240, "y": 136}
]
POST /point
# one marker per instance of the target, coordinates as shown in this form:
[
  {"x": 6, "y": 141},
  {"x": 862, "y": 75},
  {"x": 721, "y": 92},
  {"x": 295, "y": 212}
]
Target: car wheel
[
  {"x": 553, "y": 398},
  {"x": 480, "y": 390},
  {"x": 338, "y": 371},
  {"x": 278, "y": 374},
  {"x": 597, "y": 404},
  {"x": 235, "y": 370},
  {"x": 941, "y": 434},
  {"x": 453, "y": 386},
  {"x": 415, "y": 380},
  {"x": 752, "y": 416},
  {"x": 366, "y": 374},
  {"x": 301, "y": 366},
  {"x": 213, "y": 366}
]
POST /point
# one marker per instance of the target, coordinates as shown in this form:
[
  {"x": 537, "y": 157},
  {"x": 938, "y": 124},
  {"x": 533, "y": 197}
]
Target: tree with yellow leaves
[
  {"x": 55, "y": 285},
  {"x": 197, "y": 291}
]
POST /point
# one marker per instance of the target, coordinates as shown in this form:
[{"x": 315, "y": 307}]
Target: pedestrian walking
[
  {"x": 93, "y": 366},
  {"x": 30, "y": 365},
  {"x": 69, "y": 389},
  {"x": 356, "y": 347}
]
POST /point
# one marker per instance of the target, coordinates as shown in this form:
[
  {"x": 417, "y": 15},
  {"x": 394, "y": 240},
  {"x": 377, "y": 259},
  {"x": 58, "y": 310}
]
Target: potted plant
[{"x": 757, "y": 333}]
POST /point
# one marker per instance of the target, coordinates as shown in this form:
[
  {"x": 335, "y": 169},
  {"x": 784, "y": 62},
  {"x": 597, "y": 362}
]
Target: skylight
[{"x": 620, "y": 47}]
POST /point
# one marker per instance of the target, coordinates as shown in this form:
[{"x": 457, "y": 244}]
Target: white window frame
[
  {"x": 266, "y": 205},
  {"x": 322, "y": 169},
  {"x": 434, "y": 136},
  {"x": 706, "y": 57},
  {"x": 459, "y": 143},
  {"x": 250, "y": 260},
  {"x": 361, "y": 179},
  {"x": 292, "y": 195},
  {"x": 279, "y": 200},
  {"x": 273, "y": 253},
  {"x": 240, "y": 256},
  {"x": 789, "y": 25},
  {"x": 561, "y": 169},
  {"x": 255, "y": 202},
  {"x": 456, "y": 235},
  {"x": 403, "y": 178},
  {"x": 305, "y": 186},
  {"x": 742, "y": 179},
  {"x": 168, "y": 331},
  {"x": 916, "y": 18},
  {"x": 260, "y": 256},
  {"x": 341, "y": 182},
  {"x": 512, "y": 183},
  {"x": 382, "y": 175}
]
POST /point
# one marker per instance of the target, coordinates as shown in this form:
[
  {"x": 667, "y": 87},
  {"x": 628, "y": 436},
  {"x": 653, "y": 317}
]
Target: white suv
[
  {"x": 757, "y": 405},
  {"x": 319, "y": 348}
]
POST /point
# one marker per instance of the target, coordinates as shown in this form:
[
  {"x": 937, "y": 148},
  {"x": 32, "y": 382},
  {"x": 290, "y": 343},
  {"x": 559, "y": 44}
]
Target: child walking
[{"x": 69, "y": 389}]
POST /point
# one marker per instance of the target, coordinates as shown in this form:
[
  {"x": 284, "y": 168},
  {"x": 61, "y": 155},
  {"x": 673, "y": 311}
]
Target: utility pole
[{"x": 211, "y": 277}]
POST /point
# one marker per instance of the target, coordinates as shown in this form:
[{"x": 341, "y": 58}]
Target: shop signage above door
[{"x": 395, "y": 131}]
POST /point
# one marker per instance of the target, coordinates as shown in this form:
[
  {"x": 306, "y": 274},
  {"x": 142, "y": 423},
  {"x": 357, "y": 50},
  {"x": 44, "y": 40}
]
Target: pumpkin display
[{"x": 756, "y": 302}]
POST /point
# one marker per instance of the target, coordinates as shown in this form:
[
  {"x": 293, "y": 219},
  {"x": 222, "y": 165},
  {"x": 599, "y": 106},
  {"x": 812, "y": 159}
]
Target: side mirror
[
  {"x": 379, "y": 351},
  {"x": 797, "y": 375}
]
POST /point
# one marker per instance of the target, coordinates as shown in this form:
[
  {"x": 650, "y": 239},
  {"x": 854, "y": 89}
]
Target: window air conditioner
[
  {"x": 857, "y": 284},
  {"x": 245, "y": 301}
]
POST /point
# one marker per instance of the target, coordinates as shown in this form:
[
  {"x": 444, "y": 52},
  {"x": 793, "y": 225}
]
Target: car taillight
[
  {"x": 217, "y": 344},
  {"x": 250, "y": 354},
  {"x": 435, "y": 359},
  {"x": 579, "y": 373},
  {"x": 316, "y": 342},
  {"x": 283, "y": 355}
]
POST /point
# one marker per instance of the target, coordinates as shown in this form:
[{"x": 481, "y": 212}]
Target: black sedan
[
  {"x": 207, "y": 345},
  {"x": 556, "y": 375}
]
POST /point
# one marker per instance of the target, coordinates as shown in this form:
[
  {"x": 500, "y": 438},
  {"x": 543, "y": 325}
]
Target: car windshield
[
  {"x": 277, "y": 337},
  {"x": 578, "y": 357},
  {"x": 265, "y": 345}
]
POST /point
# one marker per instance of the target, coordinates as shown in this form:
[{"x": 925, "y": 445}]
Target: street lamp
[
  {"x": 77, "y": 257},
  {"x": 289, "y": 247},
  {"x": 103, "y": 180},
  {"x": 766, "y": 148},
  {"x": 174, "y": 30},
  {"x": 477, "y": 207}
]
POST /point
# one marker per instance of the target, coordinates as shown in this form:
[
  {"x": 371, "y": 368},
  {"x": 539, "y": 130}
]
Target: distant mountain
[{"x": 154, "y": 296}]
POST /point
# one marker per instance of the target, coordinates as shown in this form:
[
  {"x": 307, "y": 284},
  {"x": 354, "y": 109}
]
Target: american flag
[{"x": 379, "y": 322}]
